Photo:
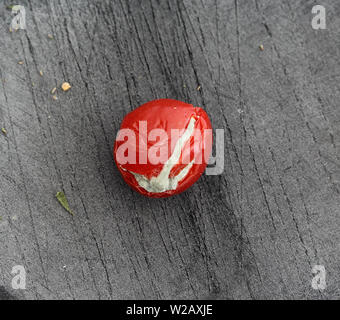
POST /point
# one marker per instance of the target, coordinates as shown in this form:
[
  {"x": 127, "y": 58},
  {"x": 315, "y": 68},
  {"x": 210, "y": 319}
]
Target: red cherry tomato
[{"x": 163, "y": 147}]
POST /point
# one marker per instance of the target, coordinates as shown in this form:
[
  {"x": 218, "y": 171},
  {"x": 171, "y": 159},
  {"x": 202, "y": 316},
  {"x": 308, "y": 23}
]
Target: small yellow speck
[
  {"x": 4, "y": 131},
  {"x": 198, "y": 88},
  {"x": 41, "y": 73},
  {"x": 66, "y": 86},
  {"x": 33, "y": 84},
  {"x": 261, "y": 47},
  {"x": 21, "y": 62},
  {"x": 10, "y": 30},
  {"x": 54, "y": 97},
  {"x": 54, "y": 90}
]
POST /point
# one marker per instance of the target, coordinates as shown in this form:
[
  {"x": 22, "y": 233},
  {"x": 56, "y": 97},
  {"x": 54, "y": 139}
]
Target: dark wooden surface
[{"x": 253, "y": 232}]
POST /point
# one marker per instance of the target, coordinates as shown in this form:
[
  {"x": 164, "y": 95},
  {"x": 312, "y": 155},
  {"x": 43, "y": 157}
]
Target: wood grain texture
[{"x": 253, "y": 232}]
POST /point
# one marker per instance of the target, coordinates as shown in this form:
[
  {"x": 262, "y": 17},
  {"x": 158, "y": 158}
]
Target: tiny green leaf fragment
[
  {"x": 63, "y": 201},
  {"x": 13, "y": 7}
]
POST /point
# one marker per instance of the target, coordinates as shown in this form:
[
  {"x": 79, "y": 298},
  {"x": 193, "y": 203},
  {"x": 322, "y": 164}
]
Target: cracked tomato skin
[{"x": 166, "y": 114}]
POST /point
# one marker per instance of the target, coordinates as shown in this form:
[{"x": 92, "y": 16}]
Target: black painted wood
[{"x": 253, "y": 232}]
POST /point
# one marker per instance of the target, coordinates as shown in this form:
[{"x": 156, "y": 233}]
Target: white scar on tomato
[{"x": 163, "y": 182}]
